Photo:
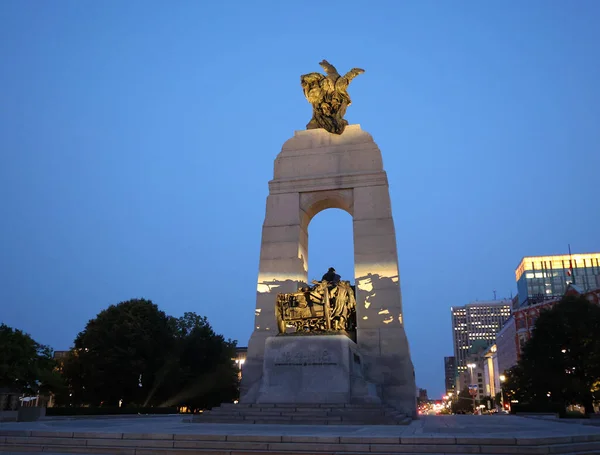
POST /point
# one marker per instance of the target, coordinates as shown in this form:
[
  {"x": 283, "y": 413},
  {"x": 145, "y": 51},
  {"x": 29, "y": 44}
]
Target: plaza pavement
[
  {"x": 152, "y": 435},
  {"x": 450, "y": 426}
]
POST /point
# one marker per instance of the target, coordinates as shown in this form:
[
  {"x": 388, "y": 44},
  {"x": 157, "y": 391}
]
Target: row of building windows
[
  {"x": 558, "y": 262},
  {"x": 562, "y": 273}
]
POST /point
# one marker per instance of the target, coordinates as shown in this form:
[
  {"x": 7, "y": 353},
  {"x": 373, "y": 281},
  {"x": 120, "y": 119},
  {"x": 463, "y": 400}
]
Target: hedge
[
  {"x": 546, "y": 408},
  {"x": 107, "y": 410}
]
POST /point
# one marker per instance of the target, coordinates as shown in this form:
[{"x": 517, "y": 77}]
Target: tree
[
  {"x": 463, "y": 403},
  {"x": 561, "y": 361},
  {"x": 118, "y": 354},
  {"x": 26, "y": 365},
  {"x": 498, "y": 398},
  {"x": 487, "y": 400},
  {"x": 204, "y": 375},
  {"x": 516, "y": 385},
  {"x": 136, "y": 353}
]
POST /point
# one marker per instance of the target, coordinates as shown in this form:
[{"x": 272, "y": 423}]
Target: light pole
[
  {"x": 472, "y": 390},
  {"x": 449, "y": 402},
  {"x": 502, "y": 379}
]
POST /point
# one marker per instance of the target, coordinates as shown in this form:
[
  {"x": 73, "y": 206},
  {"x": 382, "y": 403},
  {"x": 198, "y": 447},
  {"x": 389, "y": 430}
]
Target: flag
[{"x": 570, "y": 271}]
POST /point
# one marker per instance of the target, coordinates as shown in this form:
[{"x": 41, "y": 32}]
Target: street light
[
  {"x": 502, "y": 379},
  {"x": 450, "y": 395},
  {"x": 473, "y": 392}
]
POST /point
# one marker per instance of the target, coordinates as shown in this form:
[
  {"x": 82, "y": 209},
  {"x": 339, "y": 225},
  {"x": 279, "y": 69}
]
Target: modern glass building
[
  {"x": 475, "y": 325},
  {"x": 450, "y": 374},
  {"x": 542, "y": 278}
]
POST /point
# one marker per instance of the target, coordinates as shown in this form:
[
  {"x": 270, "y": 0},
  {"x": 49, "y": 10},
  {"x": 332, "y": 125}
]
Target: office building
[
  {"x": 473, "y": 375},
  {"x": 450, "y": 374},
  {"x": 541, "y": 278},
  {"x": 475, "y": 325},
  {"x": 506, "y": 346}
]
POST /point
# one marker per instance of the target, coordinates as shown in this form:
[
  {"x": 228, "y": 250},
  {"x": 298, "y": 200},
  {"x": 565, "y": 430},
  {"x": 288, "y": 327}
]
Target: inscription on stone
[{"x": 303, "y": 358}]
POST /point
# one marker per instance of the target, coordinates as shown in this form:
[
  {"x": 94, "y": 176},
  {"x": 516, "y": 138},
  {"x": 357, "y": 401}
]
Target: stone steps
[
  {"x": 315, "y": 412},
  {"x": 262, "y": 444},
  {"x": 266, "y": 421},
  {"x": 303, "y": 414}
]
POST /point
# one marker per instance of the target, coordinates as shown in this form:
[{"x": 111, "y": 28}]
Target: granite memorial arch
[{"x": 314, "y": 171}]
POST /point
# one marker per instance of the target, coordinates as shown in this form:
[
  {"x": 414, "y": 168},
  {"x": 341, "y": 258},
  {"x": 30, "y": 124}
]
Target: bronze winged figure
[{"x": 329, "y": 97}]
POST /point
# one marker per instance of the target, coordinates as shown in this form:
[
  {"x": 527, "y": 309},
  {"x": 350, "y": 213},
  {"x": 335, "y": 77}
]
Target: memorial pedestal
[{"x": 314, "y": 369}]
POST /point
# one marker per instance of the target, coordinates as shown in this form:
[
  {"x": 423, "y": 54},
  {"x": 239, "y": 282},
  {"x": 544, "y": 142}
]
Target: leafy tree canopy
[
  {"x": 463, "y": 403},
  {"x": 136, "y": 353},
  {"x": 205, "y": 374},
  {"x": 122, "y": 347},
  {"x": 561, "y": 361},
  {"x": 26, "y": 365}
]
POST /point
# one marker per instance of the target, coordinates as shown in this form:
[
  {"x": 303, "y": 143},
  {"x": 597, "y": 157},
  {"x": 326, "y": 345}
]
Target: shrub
[
  {"x": 71, "y": 411},
  {"x": 547, "y": 408}
]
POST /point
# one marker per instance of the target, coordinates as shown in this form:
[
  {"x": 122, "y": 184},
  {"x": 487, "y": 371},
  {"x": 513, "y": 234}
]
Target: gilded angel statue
[{"x": 329, "y": 97}]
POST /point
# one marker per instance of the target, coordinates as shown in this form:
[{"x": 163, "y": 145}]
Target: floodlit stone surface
[
  {"x": 312, "y": 369},
  {"x": 314, "y": 171}
]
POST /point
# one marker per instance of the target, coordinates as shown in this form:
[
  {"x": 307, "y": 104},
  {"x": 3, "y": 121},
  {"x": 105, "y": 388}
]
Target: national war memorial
[{"x": 319, "y": 342}]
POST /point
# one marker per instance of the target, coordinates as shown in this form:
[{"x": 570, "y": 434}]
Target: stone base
[
  {"x": 314, "y": 369},
  {"x": 8, "y": 416},
  {"x": 31, "y": 413}
]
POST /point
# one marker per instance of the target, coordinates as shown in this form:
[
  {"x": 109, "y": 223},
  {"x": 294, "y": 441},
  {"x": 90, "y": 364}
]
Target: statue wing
[
  {"x": 353, "y": 73},
  {"x": 311, "y": 84},
  {"x": 329, "y": 68},
  {"x": 342, "y": 83}
]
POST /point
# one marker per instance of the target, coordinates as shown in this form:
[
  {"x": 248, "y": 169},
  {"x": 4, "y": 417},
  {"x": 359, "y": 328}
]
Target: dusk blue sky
[{"x": 137, "y": 139}]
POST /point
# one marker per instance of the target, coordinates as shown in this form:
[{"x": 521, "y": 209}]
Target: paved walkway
[{"x": 427, "y": 427}]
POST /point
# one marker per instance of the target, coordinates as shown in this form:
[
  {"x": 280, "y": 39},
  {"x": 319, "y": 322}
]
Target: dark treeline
[{"x": 131, "y": 354}]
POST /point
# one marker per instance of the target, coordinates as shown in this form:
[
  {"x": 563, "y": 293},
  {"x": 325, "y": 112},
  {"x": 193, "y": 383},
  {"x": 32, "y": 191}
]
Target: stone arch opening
[
  {"x": 312, "y": 203},
  {"x": 331, "y": 244}
]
